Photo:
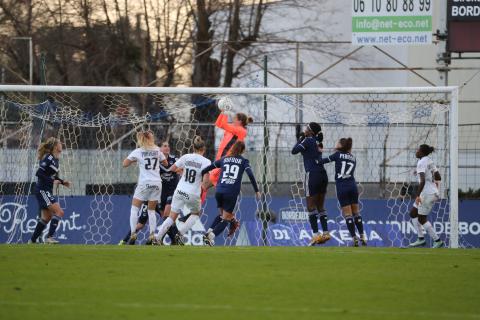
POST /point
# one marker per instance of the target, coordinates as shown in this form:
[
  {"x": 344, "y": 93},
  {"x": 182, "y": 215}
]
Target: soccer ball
[{"x": 224, "y": 104}]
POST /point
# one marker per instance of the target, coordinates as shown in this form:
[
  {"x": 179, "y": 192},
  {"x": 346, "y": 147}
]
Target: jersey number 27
[{"x": 149, "y": 165}]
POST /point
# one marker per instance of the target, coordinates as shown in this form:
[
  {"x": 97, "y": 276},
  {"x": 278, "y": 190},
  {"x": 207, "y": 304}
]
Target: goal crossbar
[{"x": 220, "y": 90}]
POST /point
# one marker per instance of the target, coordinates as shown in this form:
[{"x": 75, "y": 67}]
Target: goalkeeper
[{"x": 233, "y": 132}]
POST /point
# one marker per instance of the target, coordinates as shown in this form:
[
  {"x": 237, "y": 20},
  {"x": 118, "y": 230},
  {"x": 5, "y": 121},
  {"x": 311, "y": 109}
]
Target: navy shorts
[
  {"x": 226, "y": 202},
  {"x": 143, "y": 218},
  {"x": 347, "y": 194},
  {"x": 165, "y": 199},
  {"x": 316, "y": 182},
  {"x": 45, "y": 198}
]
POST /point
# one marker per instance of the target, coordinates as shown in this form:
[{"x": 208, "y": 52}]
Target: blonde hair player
[
  {"x": 149, "y": 185},
  {"x": 48, "y": 176},
  {"x": 188, "y": 191}
]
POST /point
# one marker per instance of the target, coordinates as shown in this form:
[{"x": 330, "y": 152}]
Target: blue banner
[{"x": 105, "y": 220}]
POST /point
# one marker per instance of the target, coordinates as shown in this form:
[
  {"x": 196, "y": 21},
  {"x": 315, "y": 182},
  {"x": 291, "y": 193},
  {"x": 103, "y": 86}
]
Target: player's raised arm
[
  {"x": 299, "y": 147},
  {"x": 316, "y": 179},
  {"x": 235, "y": 129}
]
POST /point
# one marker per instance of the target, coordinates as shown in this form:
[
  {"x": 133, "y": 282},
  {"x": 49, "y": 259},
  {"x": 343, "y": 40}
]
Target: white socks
[
  {"x": 418, "y": 227},
  {"x": 133, "y": 218},
  {"x": 211, "y": 235},
  {"x": 164, "y": 228},
  {"x": 429, "y": 228},
  {"x": 152, "y": 221},
  {"x": 188, "y": 224}
]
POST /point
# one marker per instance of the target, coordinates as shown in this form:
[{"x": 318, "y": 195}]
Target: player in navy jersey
[
  {"x": 316, "y": 180},
  {"x": 48, "y": 177},
  {"x": 347, "y": 192},
  {"x": 228, "y": 187},
  {"x": 169, "y": 183}
]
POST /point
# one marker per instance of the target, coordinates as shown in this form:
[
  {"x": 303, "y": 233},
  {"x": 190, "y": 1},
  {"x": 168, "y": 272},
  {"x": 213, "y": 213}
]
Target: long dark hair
[
  {"x": 237, "y": 149},
  {"x": 345, "y": 144}
]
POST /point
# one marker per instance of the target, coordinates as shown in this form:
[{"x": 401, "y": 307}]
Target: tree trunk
[{"x": 206, "y": 73}]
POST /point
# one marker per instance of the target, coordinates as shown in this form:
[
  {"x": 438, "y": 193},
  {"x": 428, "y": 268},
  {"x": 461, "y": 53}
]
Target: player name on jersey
[
  {"x": 232, "y": 160},
  {"x": 347, "y": 156},
  {"x": 153, "y": 153},
  {"x": 194, "y": 164}
]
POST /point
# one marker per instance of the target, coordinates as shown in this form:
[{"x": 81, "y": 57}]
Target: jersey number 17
[{"x": 346, "y": 173}]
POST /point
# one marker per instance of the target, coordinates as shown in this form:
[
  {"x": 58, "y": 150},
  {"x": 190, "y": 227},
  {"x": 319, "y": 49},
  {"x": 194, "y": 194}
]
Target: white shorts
[
  {"x": 425, "y": 207},
  {"x": 185, "y": 202},
  {"x": 148, "y": 191}
]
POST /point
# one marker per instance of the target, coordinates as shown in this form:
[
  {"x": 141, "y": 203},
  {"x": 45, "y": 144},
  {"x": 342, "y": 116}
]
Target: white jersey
[
  {"x": 149, "y": 164},
  {"x": 192, "y": 165},
  {"x": 426, "y": 165}
]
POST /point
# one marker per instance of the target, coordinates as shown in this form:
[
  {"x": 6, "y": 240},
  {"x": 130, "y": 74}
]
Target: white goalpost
[{"x": 97, "y": 126}]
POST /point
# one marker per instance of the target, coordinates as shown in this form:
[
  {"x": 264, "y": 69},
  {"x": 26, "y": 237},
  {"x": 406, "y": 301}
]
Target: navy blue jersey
[
  {"x": 231, "y": 173},
  {"x": 169, "y": 178},
  {"x": 345, "y": 164},
  {"x": 47, "y": 172},
  {"x": 309, "y": 148}
]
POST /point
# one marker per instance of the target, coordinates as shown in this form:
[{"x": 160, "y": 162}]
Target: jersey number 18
[{"x": 190, "y": 175}]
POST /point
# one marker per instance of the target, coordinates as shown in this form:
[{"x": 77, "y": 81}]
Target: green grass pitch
[{"x": 140, "y": 282}]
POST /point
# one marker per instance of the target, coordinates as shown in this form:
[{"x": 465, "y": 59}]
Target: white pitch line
[{"x": 185, "y": 306}]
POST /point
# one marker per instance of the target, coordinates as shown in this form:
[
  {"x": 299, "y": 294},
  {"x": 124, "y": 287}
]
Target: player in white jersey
[
  {"x": 429, "y": 179},
  {"x": 149, "y": 186},
  {"x": 188, "y": 191}
]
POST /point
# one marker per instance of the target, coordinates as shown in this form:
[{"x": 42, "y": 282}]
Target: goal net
[{"x": 97, "y": 126}]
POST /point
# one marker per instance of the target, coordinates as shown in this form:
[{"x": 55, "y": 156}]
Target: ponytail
[
  {"x": 237, "y": 149},
  {"x": 198, "y": 143},
  {"x": 345, "y": 144},
  {"x": 425, "y": 149},
  {"x": 244, "y": 119},
  {"x": 145, "y": 139},
  {"x": 47, "y": 147}
]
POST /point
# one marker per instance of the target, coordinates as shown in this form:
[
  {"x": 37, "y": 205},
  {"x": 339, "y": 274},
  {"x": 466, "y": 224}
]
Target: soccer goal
[{"x": 97, "y": 126}]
